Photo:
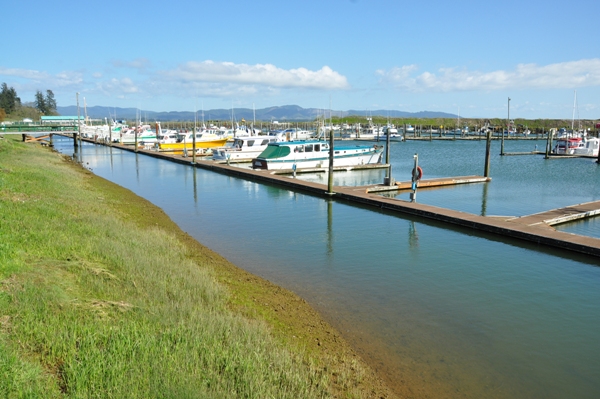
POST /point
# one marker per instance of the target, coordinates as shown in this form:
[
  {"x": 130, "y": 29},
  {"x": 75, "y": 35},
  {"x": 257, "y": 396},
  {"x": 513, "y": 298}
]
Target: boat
[
  {"x": 143, "y": 133},
  {"x": 590, "y": 147},
  {"x": 392, "y": 131},
  {"x": 104, "y": 132},
  {"x": 294, "y": 133},
  {"x": 185, "y": 142},
  {"x": 244, "y": 149},
  {"x": 567, "y": 146},
  {"x": 314, "y": 154}
]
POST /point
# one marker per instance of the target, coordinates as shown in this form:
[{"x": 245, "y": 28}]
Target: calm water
[{"x": 450, "y": 312}]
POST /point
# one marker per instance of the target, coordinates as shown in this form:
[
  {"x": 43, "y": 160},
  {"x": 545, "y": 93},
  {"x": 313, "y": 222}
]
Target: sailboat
[{"x": 574, "y": 142}]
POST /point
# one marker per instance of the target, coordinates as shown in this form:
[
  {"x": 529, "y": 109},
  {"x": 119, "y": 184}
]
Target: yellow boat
[{"x": 186, "y": 142}]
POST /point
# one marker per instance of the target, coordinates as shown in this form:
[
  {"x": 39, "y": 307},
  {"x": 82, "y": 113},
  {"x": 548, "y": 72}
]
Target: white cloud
[
  {"x": 122, "y": 86},
  {"x": 23, "y": 73},
  {"x": 30, "y": 79},
  {"x": 572, "y": 74},
  {"x": 259, "y": 74}
]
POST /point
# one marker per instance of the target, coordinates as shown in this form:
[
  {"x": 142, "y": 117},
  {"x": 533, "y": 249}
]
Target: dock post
[
  {"x": 330, "y": 177},
  {"x": 488, "y": 143},
  {"x": 194, "y": 147},
  {"x": 388, "y": 179},
  {"x": 387, "y": 146},
  {"x": 415, "y": 179},
  {"x": 77, "y": 136},
  {"x": 507, "y": 128},
  {"x": 548, "y": 145}
]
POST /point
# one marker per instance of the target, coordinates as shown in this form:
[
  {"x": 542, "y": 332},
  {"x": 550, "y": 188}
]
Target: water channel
[{"x": 448, "y": 311}]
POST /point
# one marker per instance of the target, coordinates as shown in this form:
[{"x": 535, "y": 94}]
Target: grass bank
[{"x": 101, "y": 295}]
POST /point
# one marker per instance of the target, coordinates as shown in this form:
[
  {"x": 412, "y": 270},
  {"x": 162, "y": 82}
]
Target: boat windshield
[{"x": 275, "y": 151}]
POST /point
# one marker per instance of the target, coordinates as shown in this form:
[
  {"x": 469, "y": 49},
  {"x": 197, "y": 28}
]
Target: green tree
[
  {"x": 9, "y": 100},
  {"x": 40, "y": 102},
  {"x": 50, "y": 102}
]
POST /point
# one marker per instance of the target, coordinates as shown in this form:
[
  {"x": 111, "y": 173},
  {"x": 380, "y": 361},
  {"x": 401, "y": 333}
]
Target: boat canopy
[{"x": 275, "y": 151}]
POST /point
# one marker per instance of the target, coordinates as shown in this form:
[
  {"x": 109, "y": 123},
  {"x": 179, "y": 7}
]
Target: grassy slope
[{"x": 101, "y": 295}]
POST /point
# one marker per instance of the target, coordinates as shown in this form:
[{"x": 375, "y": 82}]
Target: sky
[{"x": 460, "y": 57}]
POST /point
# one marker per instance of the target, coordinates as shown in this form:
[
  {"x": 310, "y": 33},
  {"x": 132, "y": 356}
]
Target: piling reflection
[
  {"x": 413, "y": 236},
  {"x": 194, "y": 175},
  {"x": 137, "y": 167},
  {"x": 329, "y": 227},
  {"x": 484, "y": 198}
]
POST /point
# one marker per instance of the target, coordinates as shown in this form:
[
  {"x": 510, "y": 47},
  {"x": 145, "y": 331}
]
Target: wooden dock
[
  {"x": 532, "y": 228},
  {"x": 428, "y": 183},
  {"x": 560, "y": 215}
]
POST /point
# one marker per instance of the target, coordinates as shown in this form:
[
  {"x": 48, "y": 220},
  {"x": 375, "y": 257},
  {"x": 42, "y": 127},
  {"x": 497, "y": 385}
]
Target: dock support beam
[{"x": 488, "y": 143}]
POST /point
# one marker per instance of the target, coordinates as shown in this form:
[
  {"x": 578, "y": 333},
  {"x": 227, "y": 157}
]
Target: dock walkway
[{"x": 533, "y": 228}]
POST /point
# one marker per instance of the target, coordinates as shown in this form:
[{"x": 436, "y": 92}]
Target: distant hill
[{"x": 284, "y": 113}]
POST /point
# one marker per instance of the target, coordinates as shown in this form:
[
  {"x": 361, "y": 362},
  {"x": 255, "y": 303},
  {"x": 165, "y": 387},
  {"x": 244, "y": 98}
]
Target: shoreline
[{"x": 292, "y": 320}]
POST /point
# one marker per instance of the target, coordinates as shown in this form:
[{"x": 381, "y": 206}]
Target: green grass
[{"x": 94, "y": 303}]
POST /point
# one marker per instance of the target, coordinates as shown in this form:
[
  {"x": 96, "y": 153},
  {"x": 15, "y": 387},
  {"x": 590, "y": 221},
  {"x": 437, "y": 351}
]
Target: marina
[{"x": 438, "y": 306}]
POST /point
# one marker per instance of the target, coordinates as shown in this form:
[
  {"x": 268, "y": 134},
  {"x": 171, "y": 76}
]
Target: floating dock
[
  {"x": 535, "y": 228},
  {"x": 428, "y": 183}
]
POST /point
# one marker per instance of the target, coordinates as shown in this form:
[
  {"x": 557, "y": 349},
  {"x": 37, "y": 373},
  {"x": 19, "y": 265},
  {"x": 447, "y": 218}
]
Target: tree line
[{"x": 10, "y": 104}]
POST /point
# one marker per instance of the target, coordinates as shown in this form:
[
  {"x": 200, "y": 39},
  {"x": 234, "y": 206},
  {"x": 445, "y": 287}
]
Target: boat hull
[
  {"x": 342, "y": 158},
  {"x": 225, "y": 154},
  {"x": 190, "y": 145}
]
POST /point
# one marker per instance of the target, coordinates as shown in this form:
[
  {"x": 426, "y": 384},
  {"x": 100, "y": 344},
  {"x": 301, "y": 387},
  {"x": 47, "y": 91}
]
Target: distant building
[{"x": 61, "y": 120}]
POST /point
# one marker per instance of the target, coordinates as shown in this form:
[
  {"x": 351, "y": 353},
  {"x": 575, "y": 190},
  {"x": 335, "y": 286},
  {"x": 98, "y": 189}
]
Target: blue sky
[{"x": 462, "y": 57}]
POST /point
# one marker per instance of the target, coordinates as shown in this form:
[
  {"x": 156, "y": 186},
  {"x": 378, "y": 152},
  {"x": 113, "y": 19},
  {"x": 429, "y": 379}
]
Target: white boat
[
  {"x": 371, "y": 132},
  {"x": 143, "y": 133},
  {"x": 392, "y": 131},
  {"x": 169, "y": 136},
  {"x": 294, "y": 133},
  {"x": 567, "y": 146},
  {"x": 314, "y": 154},
  {"x": 589, "y": 148},
  {"x": 238, "y": 131},
  {"x": 244, "y": 149},
  {"x": 104, "y": 132}
]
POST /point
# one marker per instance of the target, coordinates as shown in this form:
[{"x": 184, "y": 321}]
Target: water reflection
[
  {"x": 330, "y": 237},
  {"x": 484, "y": 198},
  {"x": 413, "y": 236}
]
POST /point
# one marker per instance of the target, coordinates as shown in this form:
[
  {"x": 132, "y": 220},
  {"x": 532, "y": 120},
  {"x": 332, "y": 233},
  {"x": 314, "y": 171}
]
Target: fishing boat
[
  {"x": 185, "y": 141},
  {"x": 314, "y": 154},
  {"x": 244, "y": 149}
]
